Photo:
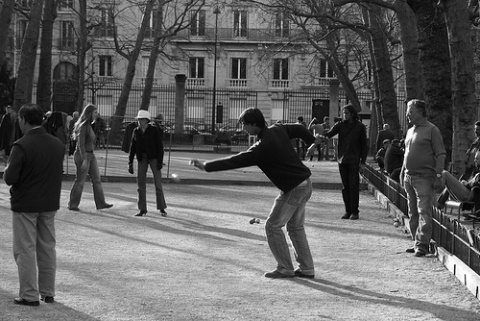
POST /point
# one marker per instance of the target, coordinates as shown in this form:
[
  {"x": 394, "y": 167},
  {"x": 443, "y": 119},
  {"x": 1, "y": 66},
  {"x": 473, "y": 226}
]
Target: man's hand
[
  {"x": 198, "y": 164},
  {"x": 130, "y": 168}
]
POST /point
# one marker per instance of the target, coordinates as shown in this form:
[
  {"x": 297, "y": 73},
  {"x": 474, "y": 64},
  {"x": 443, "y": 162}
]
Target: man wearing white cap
[{"x": 147, "y": 145}]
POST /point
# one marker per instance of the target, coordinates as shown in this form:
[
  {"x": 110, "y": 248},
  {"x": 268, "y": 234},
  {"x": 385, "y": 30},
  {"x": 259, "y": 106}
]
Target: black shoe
[
  {"x": 48, "y": 299},
  {"x": 105, "y": 206},
  {"x": 346, "y": 216},
  {"x": 354, "y": 217},
  {"x": 141, "y": 213},
  {"x": 300, "y": 274},
  {"x": 277, "y": 275},
  {"x": 25, "y": 302},
  {"x": 75, "y": 209},
  {"x": 410, "y": 250},
  {"x": 163, "y": 213}
]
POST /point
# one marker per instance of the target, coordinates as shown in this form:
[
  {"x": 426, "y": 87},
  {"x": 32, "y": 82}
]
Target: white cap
[{"x": 144, "y": 114}]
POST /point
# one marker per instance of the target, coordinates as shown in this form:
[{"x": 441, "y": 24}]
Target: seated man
[
  {"x": 464, "y": 189},
  {"x": 380, "y": 156},
  {"x": 394, "y": 159}
]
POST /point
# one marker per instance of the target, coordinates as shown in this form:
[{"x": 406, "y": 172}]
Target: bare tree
[
  {"x": 23, "y": 84},
  {"x": 5, "y": 20},
  {"x": 44, "y": 83}
]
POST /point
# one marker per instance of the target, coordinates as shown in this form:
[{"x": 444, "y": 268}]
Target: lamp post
[{"x": 216, "y": 12}]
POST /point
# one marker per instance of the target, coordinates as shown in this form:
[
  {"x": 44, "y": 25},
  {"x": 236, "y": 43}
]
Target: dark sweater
[
  {"x": 352, "y": 141},
  {"x": 34, "y": 172},
  {"x": 274, "y": 155}
]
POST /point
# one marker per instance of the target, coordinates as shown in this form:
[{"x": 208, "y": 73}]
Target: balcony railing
[
  {"x": 238, "y": 83},
  {"x": 279, "y": 83},
  {"x": 230, "y": 34},
  {"x": 195, "y": 82}
]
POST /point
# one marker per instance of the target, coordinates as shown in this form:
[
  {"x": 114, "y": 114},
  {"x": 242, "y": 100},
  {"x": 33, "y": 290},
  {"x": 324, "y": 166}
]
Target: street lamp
[{"x": 216, "y": 12}]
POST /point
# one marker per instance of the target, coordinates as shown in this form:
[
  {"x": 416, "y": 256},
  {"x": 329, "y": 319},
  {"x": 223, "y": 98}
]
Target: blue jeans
[
  {"x": 349, "y": 173},
  {"x": 34, "y": 246},
  {"x": 142, "y": 183},
  {"x": 77, "y": 188},
  {"x": 289, "y": 209},
  {"x": 420, "y": 194}
]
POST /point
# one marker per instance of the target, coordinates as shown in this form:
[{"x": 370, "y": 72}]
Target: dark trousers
[{"x": 349, "y": 174}]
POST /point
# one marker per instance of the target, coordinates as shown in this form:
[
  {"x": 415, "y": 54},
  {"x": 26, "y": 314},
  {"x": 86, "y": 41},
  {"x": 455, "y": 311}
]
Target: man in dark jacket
[
  {"x": 147, "y": 146},
  {"x": 277, "y": 158},
  {"x": 34, "y": 172},
  {"x": 394, "y": 160}
]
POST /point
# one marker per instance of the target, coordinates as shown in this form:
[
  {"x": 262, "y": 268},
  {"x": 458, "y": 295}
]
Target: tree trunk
[
  {"x": 463, "y": 80},
  {"x": 23, "y": 85},
  {"x": 414, "y": 83},
  {"x": 436, "y": 67},
  {"x": 130, "y": 73},
  {"x": 44, "y": 83},
  {"x": 152, "y": 62},
  {"x": 5, "y": 20},
  {"x": 381, "y": 55},
  {"x": 82, "y": 48}
]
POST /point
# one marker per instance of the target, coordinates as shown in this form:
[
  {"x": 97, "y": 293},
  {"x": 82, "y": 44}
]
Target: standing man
[
  {"x": 277, "y": 158},
  {"x": 352, "y": 155},
  {"x": 326, "y": 142},
  {"x": 34, "y": 172},
  {"x": 421, "y": 173}
]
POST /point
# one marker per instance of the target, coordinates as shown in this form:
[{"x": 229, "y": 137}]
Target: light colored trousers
[
  {"x": 420, "y": 194},
  {"x": 289, "y": 209},
  {"x": 34, "y": 247}
]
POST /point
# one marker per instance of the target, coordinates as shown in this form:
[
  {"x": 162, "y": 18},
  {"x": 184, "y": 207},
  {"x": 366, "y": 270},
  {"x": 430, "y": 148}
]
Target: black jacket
[{"x": 149, "y": 142}]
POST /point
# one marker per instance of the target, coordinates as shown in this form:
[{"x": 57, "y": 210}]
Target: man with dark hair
[
  {"x": 277, "y": 158},
  {"x": 352, "y": 154},
  {"x": 34, "y": 172},
  {"x": 421, "y": 173}
]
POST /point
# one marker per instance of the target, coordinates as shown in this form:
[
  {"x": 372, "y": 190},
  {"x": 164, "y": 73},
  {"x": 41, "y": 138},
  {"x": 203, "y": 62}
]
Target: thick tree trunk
[
  {"x": 381, "y": 55},
  {"x": 5, "y": 20},
  {"x": 44, "y": 83},
  {"x": 463, "y": 80},
  {"x": 23, "y": 85},
  {"x": 436, "y": 67},
  {"x": 82, "y": 48}
]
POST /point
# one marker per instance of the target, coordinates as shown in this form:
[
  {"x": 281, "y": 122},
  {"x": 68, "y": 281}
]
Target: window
[
  {"x": 107, "y": 26},
  {"x": 280, "y": 69},
  {"x": 26, "y": 3},
  {"x": 325, "y": 70},
  {"x": 152, "y": 24},
  {"x": 65, "y": 4},
  {"x": 282, "y": 25},
  {"x": 240, "y": 23},
  {"x": 197, "y": 67},
  {"x": 105, "y": 66},
  {"x": 197, "y": 27},
  {"x": 67, "y": 41},
  {"x": 239, "y": 68}
]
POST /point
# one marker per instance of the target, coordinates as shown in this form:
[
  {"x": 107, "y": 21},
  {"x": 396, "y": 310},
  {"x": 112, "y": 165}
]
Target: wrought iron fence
[{"x": 455, "y": 237}]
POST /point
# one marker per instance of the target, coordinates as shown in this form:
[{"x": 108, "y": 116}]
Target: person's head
[
  {"x": 349, "y": 113},
  {"x": 29, "y": 116},
  {"x": 8, "y": 109},
  {"x": 386, "y": 126},
  {"x": 396, "y": 142},
  {"x": 386, "y": 143},
  {"x": 252, "y": 120},
  {"x": 88, "y": 114},
  {"x": 75, "y": 115},
  {"x": 416, "y": 111},
  {"x": 326, "y": 119},
  {"x": 477, "y": 129},
  {"x": 143, "y": 117},
  {"x": 300, "y": 119}
]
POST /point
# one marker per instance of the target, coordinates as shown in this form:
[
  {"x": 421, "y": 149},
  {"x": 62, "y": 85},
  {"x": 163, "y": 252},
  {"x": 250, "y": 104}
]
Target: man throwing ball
[{"x": 274, "y": 155}]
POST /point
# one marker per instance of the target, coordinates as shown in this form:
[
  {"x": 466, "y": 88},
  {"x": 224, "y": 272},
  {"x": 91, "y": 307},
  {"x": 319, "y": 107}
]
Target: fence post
[{"x": 180, "y": 80}]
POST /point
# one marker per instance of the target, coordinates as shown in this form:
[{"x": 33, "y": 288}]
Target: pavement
[{"x": 204, "y": 261}]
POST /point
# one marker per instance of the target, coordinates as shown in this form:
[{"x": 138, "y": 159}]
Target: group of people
[
  {"x": 34, "y": 233},
  {"x": 389, "y": 156}
]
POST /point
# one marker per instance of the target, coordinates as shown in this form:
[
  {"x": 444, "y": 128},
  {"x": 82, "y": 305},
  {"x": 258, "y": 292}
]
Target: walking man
[
  {"x": 34, "y": 172},
  {"x": 421, "y": 173},
  {"x": 275, "y": 156}
]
